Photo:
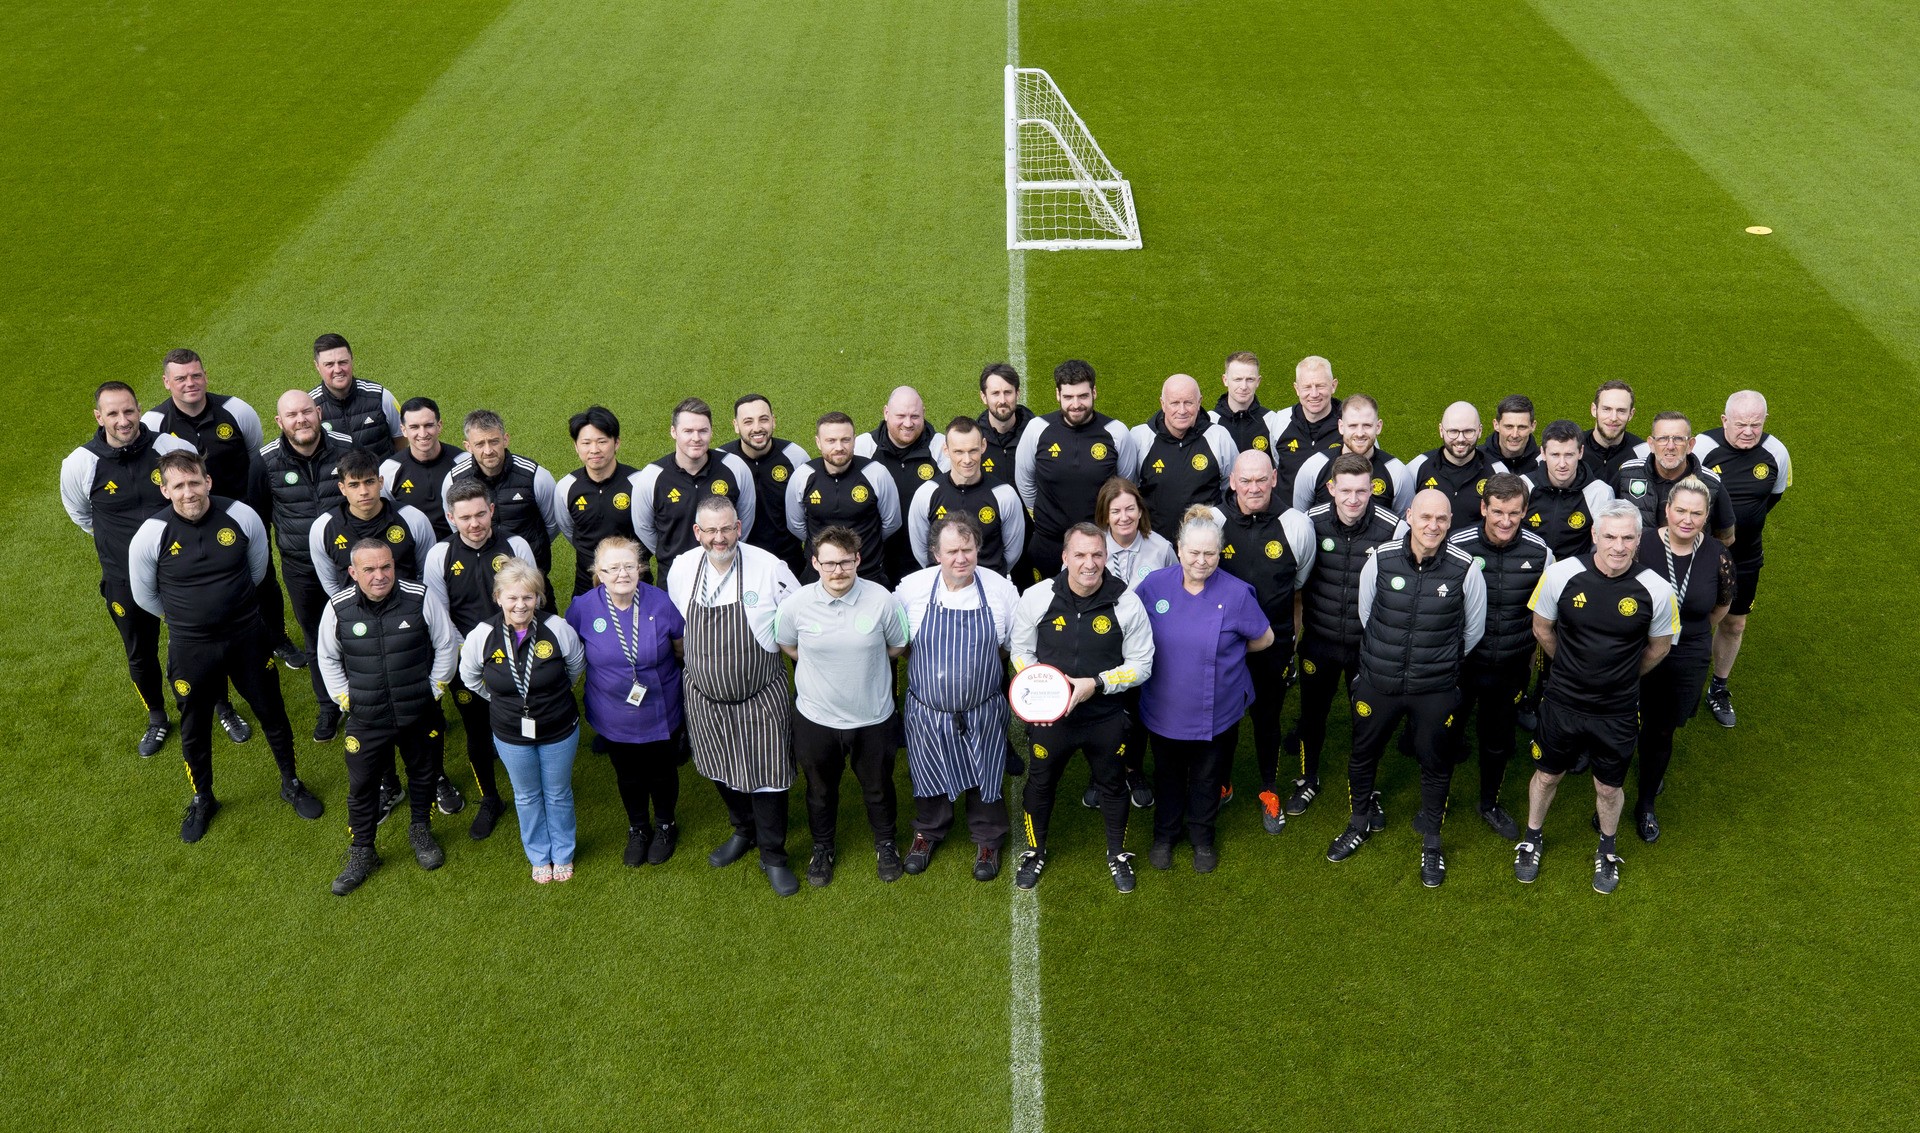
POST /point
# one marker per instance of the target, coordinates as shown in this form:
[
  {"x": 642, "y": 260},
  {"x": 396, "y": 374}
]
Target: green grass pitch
[{"x": 532, "y": 205}]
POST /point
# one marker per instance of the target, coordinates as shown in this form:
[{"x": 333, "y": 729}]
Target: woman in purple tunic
[
  {"x": 1205, "y": 622},
  {"x": 632, "y": 633}
]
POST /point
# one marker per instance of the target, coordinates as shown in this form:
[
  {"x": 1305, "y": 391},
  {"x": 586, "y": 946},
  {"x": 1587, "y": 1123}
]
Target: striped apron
[
  {"x": 957, "y": 715},
  {"x": 736, "y": 694}
]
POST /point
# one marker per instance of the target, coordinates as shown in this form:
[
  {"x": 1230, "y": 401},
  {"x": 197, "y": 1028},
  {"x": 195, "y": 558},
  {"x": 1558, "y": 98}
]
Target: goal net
[{"x": 1062, "y": 192}]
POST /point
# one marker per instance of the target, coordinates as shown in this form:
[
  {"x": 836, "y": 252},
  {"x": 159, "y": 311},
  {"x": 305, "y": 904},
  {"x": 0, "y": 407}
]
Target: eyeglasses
[
  {"x": 729, "y": 528},
  {"x": 1455, "y": 434},
  {"x": 619, "y": 569},
  {"x": 826, "y": 565},
  {"x": 1668, "y": 440}
]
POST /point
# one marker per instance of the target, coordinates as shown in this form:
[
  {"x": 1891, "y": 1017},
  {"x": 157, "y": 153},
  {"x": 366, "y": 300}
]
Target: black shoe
[
  {"x": 302, "y": 800},
  {"x": 1205, "y": 858},
  {"x": 1593, "y": 820},
  {"x": 289, "y": 657},
  {"x": 599, "y": 746},
  {"x": 1139, "y": 792},
  {"x": 327, "y": 725},
  {"x": 1160, "y": 854},
  {"x": 200, "y": 811},
  {"x": 730, "y": 851},
  {"x": 426, "y": 851},
  {"x": 155, "y": 738},
  {"x": 1016, "y": 767},
  {"x": 1526, "y": 861},
  {"x": 1647, "y": 825},
  {"x": 1527, "y": 718},
  {"x": 1027, "y": 875},
  {"x": 1581, "y": 766},
  {"x": 1720, "y": 704},
  {"x": 1347, "y": 843},
  {"x": 1121, "y": 866},
  {"x": 231, "y": 722},
  {"x": 820, "y": 866},
  {"x": 1376, "y": 814},
  {"x": 782, "y": 879},
  {"x": 665, "y": 837},
  {"x": 637, "y": 839},
  {"x": 887, "y": 861},
  {"x": 1606, "y": 872},
  {"x": 986, "y": 863},
  {"x": 919, "y": 853},
  {"x": 1304, "y": 792},
  {"x": 361, "y": 861},
  {"x": 390, "y": 798},
  {"x": 447, "y": 797},
  {"x": 1433, "y": 868},
  {"x": 1273, "y": 816},
  {"x": 484, "y": 816},
  {"x": 1501, "y": 822},
  {"x": 1091, "y": 798}
]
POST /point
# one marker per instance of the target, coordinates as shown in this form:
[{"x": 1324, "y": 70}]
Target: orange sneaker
[{"x": 1271, "y": 815}]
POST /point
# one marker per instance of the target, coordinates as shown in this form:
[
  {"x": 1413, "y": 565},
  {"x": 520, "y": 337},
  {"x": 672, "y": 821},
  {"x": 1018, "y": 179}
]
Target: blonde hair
[
  {"x": 520, "y": 572},
  {"x": 1201, "y": 520},
  {"x": 615, "y": 543}
]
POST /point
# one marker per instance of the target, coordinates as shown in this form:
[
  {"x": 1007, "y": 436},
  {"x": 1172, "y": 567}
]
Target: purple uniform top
[
  {"x": 1200, "y": 684},
  {"x": 625, "y": 647}
]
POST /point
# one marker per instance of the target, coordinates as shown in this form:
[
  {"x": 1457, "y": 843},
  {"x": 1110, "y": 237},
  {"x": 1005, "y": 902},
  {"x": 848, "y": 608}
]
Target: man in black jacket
[{"x": 387, "y": 652}]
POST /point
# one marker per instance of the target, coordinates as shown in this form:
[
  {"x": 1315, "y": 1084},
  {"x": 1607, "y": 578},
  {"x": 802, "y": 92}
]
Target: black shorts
[
  {"x": 1746, "y": 582},
  {"x": 1565, "y": 735}
]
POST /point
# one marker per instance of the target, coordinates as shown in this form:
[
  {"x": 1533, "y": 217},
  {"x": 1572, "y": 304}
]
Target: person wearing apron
[
  {"x": 736, "y": 687},
  {"x": 956, "y": 711}
]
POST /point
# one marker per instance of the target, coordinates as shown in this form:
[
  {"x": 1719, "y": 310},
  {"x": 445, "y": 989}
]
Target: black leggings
[{"x": 648, "y": 773}]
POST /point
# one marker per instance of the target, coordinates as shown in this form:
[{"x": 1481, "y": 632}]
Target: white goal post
[{"x": 1062, "y": 192}]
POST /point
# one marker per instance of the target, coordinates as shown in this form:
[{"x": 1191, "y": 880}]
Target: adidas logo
[
  {"x": 1526, "y": 566},
  {"x": 404, "y": 624},
  {"x": 368, "y": 421},
  {"x": 517, "y": 496}
]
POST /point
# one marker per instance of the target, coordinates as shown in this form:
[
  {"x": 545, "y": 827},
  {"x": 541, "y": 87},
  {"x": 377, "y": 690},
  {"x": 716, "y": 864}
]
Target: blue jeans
[{"x": 542, "y": 777}]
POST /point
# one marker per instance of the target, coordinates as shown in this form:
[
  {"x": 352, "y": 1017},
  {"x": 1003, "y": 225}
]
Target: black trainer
[
  {"x": 1720, "y": 704},
  {"x": 155, "y": 738},
  {"x": 887, "y": 861},
  {"x": 289, "y": 657},
  {"x": 1347, "y": 843},
  {"x": 1647, "y": 825},
  {"x": 484, "y": 817},
  {"x": 1526, "y": 861},
  {"x": 1501, "y": 822},
  {"x": 426, "y": 851},
  {"x": 1090, "y": 798},
  {"x": 232, "y": 723},
  {"x": 665, "y": 837},
  {"x": 390, "y": 798},
  {"x": 361, "y": 861},
  {"x": 1527, "y": 718},
  {"x": 919, "y": 853},
  {"x": 1376, "y": 814},
  {"x": 820, "y": 866},
  {"x": 447, "y": 797},
  {"x": 637, "y": 839},
  {"x": 1606, "y": 872},
  {"x": 986, "y": 863},
  {"x": 1304, "y": 792},
  {"x": 1139, "y": 792},
  {"x": 1433, "y": 868},
  {"x": 1016, "y": 766},
  {"x": 303, "y": 802},
  {"x": 326, "y": 725},
  {"x": 1121, "y": 866},
  {"x": 1160, "y": 854},
  {"x": 1205, "y": 859},
  {"x": 1027, "y": 874},
  {"x": 200, "y": 811},
  {"x": 782, "y": 879}
]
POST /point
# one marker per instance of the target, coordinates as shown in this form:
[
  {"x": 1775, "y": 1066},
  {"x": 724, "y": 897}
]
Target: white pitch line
[{"x": 1028, "y": 1097}]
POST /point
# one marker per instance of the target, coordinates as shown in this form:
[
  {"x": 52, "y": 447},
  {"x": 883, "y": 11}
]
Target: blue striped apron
[{"x": 957, "y": 715}]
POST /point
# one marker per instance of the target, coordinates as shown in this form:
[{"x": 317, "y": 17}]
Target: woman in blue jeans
[{"x": 524, "y": 666}]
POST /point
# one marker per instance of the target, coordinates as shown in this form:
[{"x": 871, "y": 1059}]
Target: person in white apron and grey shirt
[
  {"x": 738, "y": 719},
  {"x": 960, "y": 615}
]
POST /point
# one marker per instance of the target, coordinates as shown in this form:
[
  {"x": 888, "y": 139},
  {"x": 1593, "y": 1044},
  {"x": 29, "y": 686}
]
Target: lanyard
[
  {"x": 1679, "y": 581},
  {"x": 709, "y": 592},
  {"x": 630, "y": 649},
  {"x": 522, "y": 680}
]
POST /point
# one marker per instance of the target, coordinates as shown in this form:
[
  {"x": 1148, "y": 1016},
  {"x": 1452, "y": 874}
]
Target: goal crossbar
[{"x": 1062, "y": 190}]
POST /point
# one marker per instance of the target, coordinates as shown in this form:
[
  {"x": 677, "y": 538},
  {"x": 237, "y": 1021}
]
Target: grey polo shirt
[{"x": 841, "y": 678}]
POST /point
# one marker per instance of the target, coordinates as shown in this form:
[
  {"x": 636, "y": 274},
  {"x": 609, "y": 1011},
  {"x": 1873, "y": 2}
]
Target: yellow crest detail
[
  {"x": 1273, "y": 548},
  {"x": 719, "y": 487},
  {"x": 1039, "y": 751},
  {"x": 182, "y": 688},
  {"x": 860, "y": 494},
  {"x": 988, "y": 515},
  {"x": 463, "y": 697},
  {"x": 1759, "y": 471},
  {"x": 1308, "y": 667},
  {"x": 1629, "y": 607},
  {"x": 224, "y": 431},
  {"x": 1536, "y": 749},
  {"x": 119, "y": 611},
  {"x": 1362, "y": 708},
  {"x": 1480, "y": 486},
  {"x": 1102, "y": 624},
  {"x": 353, "y": 744},
  {"x": 622, "y": 501},
  {"x": 396, "y": 534},
  {"x": 1577, "y": 520},
  {"x": 926, "y": 472},
  {"x": 498, "y": 562},
  {"x": 1199, "y": 462},
  {"x": 1260, "y": 444},
  {"x": 543, "y": 649},
  {"x": 1099, "y": 451},
  {"x": 1379, "y": 486},
  {"x": 227, "y": 536},
  {"x": 155, "y": 477},
  {"x": 779, "y": 473}
]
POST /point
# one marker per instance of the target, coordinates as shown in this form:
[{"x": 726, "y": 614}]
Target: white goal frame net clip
[{"x": 1062, "y": 192}]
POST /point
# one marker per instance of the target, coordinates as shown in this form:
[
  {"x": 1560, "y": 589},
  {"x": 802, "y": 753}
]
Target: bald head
[
  {"x": 299, "y": 421},
  {"x": 1745, "y": 420},
  {"x": 1429, "y": 517},
  {"x": 906, "y": 415},
  {"x": 1179, "y": 403},
  {"x": 1747, "y": 401},
  {"x": 1252, "y": 481},
  {"x": 1460, "y": 431}
]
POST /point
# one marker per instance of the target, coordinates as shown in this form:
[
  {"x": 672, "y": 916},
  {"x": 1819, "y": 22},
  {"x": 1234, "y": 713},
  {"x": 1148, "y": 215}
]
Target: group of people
[{"x": 1577, "y": 583}]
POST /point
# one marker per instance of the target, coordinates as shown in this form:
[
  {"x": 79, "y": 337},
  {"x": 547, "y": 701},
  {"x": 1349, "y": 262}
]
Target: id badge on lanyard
[
  {"x": 529, "y": 728},
  {"x": 631, "y": 651}
]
